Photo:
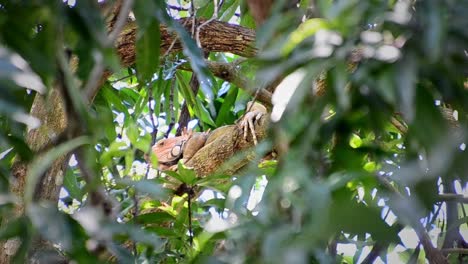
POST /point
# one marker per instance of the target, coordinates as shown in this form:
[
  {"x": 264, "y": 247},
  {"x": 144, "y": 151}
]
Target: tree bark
[
  {"x": 216, "y": 36},
  {"x": 50, "y": 110}
]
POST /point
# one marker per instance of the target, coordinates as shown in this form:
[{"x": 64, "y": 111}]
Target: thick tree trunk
[{"x": 50, "y": 110}]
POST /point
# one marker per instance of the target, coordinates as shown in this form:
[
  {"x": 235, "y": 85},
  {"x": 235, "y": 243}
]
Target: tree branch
[
  {"x": 216, "y": 36},
  {"x": 446, "y": 197},
  {"x": 375, "y": 252},
  {"x": 229, "y": 73},
  {"x": 402, "y": 209}
]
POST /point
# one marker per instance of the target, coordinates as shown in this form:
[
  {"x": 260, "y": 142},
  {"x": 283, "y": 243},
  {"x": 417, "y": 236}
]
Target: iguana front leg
[
  {"x": 254, "y": 111},
  {"x": 170, "y": 150},
  {"x": 195, "y": 142}
]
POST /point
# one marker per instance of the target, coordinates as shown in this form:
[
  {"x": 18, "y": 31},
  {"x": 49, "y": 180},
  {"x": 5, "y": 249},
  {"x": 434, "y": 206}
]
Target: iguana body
[{"x": 170, "y": 150}]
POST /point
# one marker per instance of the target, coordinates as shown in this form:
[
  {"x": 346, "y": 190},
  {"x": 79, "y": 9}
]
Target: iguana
[{"x": 170, "y": 150}]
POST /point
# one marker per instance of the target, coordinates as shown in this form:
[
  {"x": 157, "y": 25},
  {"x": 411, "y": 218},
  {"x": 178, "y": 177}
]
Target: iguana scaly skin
[{"x": 170, "y": 150}]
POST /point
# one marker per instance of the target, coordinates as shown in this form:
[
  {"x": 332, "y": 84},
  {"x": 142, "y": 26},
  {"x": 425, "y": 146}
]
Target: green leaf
[
  {"x": 143, "y": 143},
  {"x": 185, "y": 89},
  {"x": 18, "y": 34},
  {"x": 344, "y": 212},
  {"x": 110, "y": 95},
  {"x": 205, "y": 11},
  {"x": 41, "y": 164},
  {"x": 122, "y": 254},
  {"x": 137, "y": 234},
  {"x": 434, "y": 13},
  {"x": 146, "y": 186},
  {"x": 338, "y": 77},
  {"x": 247, "y": 20},
  {"x": 218, "y": 203},
  {"x": 370, "y": 166},
  {"x": 355, "y": 141},
  {"x": 191, "y": 50},
  {"x": 204, "y": 115},
  {"x": 148, "y": 41},
  {"x": 70, "y": 183},
  {"x": 193, "y": 102},
  {"x": 187, "y": 175},
  {"x": 92, "y": 19},
  {"x": 406, "y": 85},
  {"x": 183, "y": 174},
  {"x": 20, "y": 146},
  {"x": 154, "y": 218},
  {"x": 227, "y": 106},
  {"x": 20, "y": 230},
  {"x": 129, "y": 158},
  {"x": 105, "y": 119},
  {"x": 116, "y": 149},
  {"x": 129, "y": 95},
  {"x": 141, "y": 103},
  {"x": 14, "y": 68},
  {"x": 228, "y": 10},
  {"x": 53, "y": 225},
  {"x": 305, "y": 30},
  {"x": 164, "y": 232},
  {"x": 201, "y": 3},
  {"x": 133, "y": 133},
  {"x": 14, "y": 228}
]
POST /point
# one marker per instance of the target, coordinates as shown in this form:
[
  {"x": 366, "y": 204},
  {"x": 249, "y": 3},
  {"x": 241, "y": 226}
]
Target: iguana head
[{"x": 169, "y": 150}]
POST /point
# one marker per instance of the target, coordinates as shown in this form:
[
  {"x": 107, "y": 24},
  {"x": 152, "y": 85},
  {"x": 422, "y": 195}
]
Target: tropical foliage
[{"x": 365, "y": 157}]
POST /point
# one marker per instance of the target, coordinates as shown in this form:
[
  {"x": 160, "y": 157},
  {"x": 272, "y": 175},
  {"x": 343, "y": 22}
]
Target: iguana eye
[
  {"x": 176, "y": 151},
  {"x": 161, "y": 143}
]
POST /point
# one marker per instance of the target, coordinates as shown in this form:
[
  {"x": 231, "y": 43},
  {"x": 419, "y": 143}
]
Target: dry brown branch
[
  {"x": 229, "y": 73},
  {"x": 216, "y": 36}
]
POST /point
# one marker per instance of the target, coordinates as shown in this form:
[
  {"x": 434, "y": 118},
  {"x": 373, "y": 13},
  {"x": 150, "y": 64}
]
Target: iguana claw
[
  {"x": 248, "y": 123},
  {"x": 252, "y": 118}
]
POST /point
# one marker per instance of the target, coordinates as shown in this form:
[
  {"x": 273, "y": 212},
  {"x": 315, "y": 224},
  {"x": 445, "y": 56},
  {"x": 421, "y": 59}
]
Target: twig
[
  {"x": 154, "y": 124},
  {"x": 184, "y": 116},
  {"x": 174, "y": 41},
  {"x": 178, "y": 8},
  {"x": 198, "y": 31},
  {"x": 445, "y": 197},
  {"x": 189, "y": 208},
  {"x": 135, "y": 219},
  {"x": 399, "y": 125},
  {"x": 374, "y": 253},
  {"x": 432, "y": 254},
  {"x": 171, "y": 110},
  {"x": 121, "y": 79},
  {"x": 452, "y": 232},
  {"x": 463, "y": 251},
  {"x": 154, "y": 133},
  {"x": 215, "y": 16},
  {"x": 332, "y": 246},
  {"x": 120, "y": 23},
  {"x": 94, "y": 77},
  {"x": 194, "y": 19}
]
